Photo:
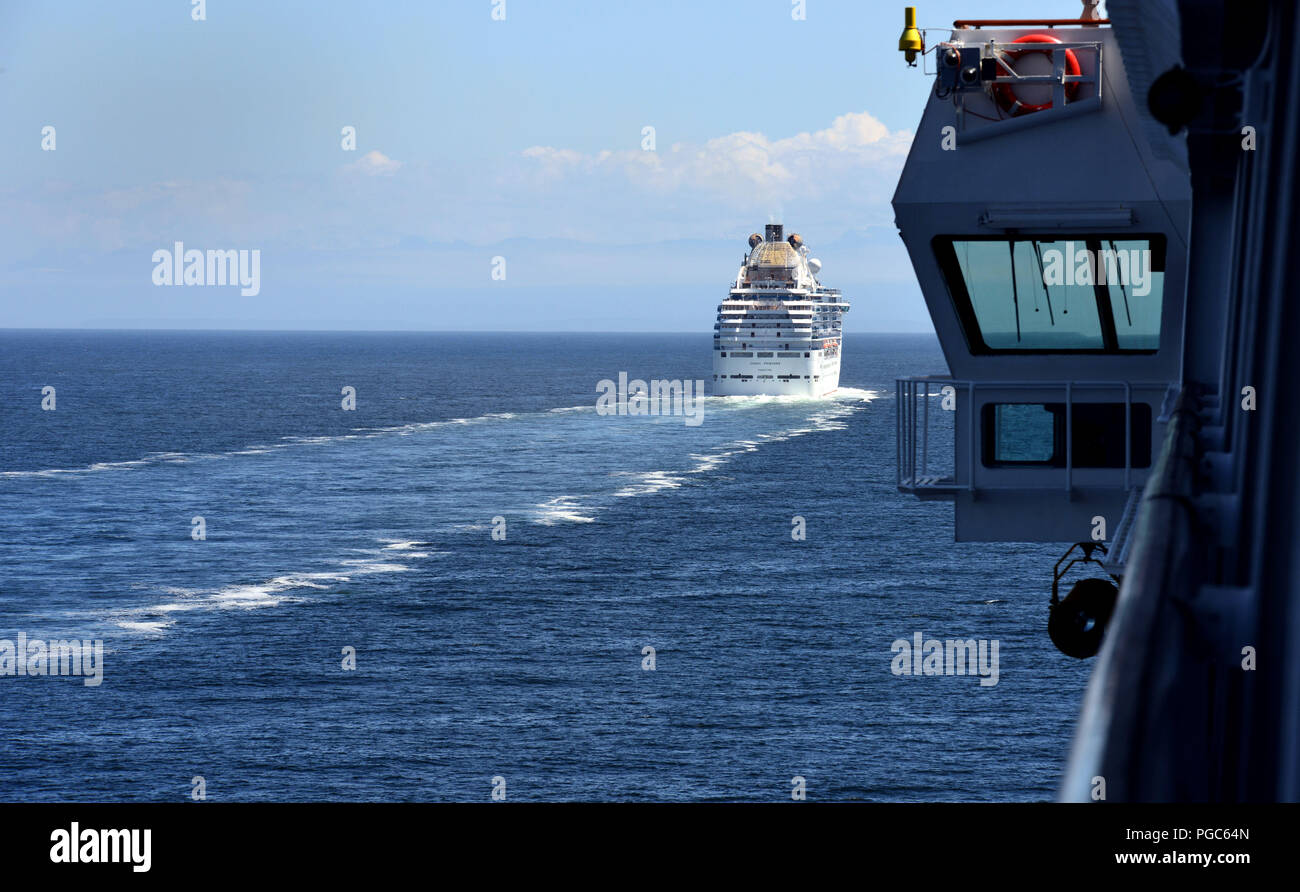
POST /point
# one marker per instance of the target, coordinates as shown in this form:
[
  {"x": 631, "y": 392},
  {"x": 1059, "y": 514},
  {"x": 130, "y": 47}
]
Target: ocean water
[{"x": 476, "y": 659}]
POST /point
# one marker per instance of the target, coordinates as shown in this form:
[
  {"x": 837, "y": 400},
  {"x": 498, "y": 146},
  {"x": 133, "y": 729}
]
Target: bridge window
[
  {"x": 1033, "y": 434},
  {"x": 1088, "y": 293},
  {"x": 1023, "y": 433}
]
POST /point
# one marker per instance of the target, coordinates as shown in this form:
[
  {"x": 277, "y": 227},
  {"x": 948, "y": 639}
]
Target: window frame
[
  {"x": 1141, "y": 445},
  {"x": 945, "y": 251}
]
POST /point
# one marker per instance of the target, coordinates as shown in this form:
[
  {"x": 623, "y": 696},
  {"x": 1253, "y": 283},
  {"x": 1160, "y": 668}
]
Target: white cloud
[
  {"x": 836, "y": 179},
  {"x": 375, "y": 164},
  {"x": 744, "y": 166},
  {"x": 827, "y": 183}
]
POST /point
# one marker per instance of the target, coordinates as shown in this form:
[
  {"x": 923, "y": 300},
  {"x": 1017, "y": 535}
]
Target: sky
[{"x": 477, "y": 138}]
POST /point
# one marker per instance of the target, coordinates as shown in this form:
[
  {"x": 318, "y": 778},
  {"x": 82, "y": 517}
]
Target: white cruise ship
[{"x": 778, "y": 331}]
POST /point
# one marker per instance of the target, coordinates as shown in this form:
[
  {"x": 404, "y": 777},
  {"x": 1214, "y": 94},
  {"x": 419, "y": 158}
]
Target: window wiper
[
  {"x": 1042, "y": 277},
  {"x": 1122, "y": 289},
  {"x": 1015, "y": 292}
]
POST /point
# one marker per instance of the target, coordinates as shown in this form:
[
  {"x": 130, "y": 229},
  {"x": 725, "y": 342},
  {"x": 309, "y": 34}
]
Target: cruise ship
[{"x": 779, "y": 330}]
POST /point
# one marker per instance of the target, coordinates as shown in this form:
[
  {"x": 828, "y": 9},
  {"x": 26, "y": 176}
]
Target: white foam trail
[
  {"x": 247, "y": 596},
  {"x": 287, "y": 588},
  {"x": 109, "y": 466},
  {"x": 148, "y": 628},
  {"x": 833, "y": 413},
  {"x": 408, "y": 549},
  {"x": 855, "y": 393},
  {"x": 365, "y": 567},
  {"x": 271, "y": 593},
  {"x": 359, "y": 433},
  {"x": 847, "y": 393},
  {"x": 650, "y": 482},
  {"x": 319, "y": 441},
  {"x": 563, "y": 508}
]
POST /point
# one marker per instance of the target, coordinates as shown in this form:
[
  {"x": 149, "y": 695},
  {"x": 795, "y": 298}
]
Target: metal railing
[
  {"x": 1059, "y": 80},
  {"x": 915, "y": 394},
  {"x": 1122, "y": 542},
  {"x": 1126, "y": 732}
]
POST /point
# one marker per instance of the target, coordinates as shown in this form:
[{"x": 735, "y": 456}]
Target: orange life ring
[{"x": 1006, "y": 96}]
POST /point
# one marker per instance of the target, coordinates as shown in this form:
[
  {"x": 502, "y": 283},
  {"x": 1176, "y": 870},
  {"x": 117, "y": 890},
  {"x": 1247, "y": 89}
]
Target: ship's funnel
[{"x": 775, "y": 232}]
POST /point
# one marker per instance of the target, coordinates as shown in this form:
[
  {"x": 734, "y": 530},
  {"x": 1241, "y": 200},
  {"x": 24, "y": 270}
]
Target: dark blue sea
[{"x": 476, "y": 658}]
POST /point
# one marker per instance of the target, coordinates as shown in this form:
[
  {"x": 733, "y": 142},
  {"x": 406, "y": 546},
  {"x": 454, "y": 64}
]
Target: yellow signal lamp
[{"x": 911, "y": 42}]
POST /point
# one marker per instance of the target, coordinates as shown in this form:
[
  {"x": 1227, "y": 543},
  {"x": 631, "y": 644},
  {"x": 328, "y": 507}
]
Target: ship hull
[{"x": 766, "y": 373}]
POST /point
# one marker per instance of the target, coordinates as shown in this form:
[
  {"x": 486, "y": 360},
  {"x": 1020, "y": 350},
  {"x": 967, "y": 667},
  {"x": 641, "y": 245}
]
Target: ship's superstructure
[
  {"x": 778, "y": 331},
  {"x": 1056, "y": 401},
  {"x": 1102, "y": 220}
]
